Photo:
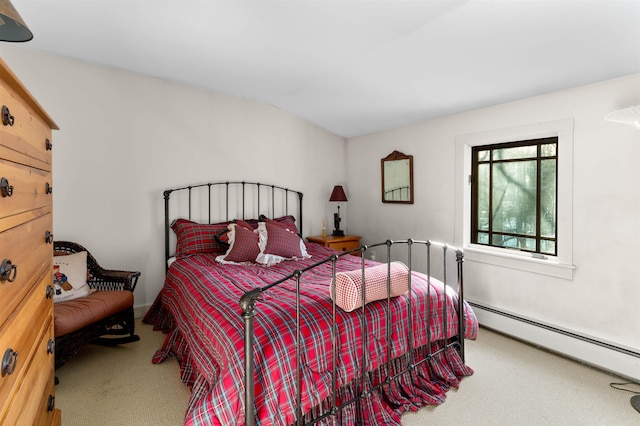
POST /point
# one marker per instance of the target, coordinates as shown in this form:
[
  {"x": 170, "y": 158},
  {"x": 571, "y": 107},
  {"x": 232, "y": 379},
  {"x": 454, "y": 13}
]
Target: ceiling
[{"x": 352, "y": 66}]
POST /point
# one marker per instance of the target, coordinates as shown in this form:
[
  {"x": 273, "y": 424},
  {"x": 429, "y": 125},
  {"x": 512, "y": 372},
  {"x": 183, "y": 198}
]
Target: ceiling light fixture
[
  {"x": 629, "y": 115},
  {"x": 12, "y": 27}
]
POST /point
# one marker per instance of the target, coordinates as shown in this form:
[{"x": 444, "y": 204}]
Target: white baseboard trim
[
  {"x": 607, "y": 356},
  {"x": 140, "y": 311}
]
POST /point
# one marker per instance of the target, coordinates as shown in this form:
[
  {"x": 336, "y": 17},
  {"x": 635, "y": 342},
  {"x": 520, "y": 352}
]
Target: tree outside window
[{"x": 514, "y": 195}]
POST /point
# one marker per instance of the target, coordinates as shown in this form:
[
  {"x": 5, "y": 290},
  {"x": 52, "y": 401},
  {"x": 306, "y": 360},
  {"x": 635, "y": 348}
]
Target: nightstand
[{"x": 345, "y": 243}]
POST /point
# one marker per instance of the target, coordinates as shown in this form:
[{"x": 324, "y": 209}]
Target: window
[
  {"x": 514, "y": 195},
  {"x": 546, "y": 250}
]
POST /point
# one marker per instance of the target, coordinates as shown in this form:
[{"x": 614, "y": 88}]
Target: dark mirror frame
[{"x": 398, "y": 156}]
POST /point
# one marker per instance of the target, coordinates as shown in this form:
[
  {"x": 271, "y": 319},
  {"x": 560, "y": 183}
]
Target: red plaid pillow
[
  {"x": 287, "y": 222},
  {"x": 244, "y": 247},
  {"x": 250, "y": 224},
  {"x": 193, "y": 238},
  {"x": 281, "y": 241},
  {"x": 223, "y": 237}
]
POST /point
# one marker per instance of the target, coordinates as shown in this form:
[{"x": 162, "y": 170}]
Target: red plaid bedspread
[{"x": 202, "y": 298}]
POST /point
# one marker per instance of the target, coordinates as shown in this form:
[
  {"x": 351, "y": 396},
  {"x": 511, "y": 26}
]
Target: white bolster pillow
[{"x": 349, "y": 284}]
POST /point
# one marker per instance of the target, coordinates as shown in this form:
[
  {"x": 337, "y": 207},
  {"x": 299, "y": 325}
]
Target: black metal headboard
[{"x": 223, "y": 201}]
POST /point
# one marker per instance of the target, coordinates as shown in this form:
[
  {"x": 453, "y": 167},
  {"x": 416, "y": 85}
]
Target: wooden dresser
[{"x": 27, "y": 389}]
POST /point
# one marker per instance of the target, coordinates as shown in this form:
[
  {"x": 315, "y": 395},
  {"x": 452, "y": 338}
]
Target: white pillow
[{"x": 70, "y": 276}]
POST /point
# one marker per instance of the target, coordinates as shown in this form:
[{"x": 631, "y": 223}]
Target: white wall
[
  {"x": 124, "y": 138},
  {"x": 603, "y": 298}
]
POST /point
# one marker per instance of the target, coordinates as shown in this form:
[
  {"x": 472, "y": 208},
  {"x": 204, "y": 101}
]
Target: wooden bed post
[{"x": 248, "y": 304}]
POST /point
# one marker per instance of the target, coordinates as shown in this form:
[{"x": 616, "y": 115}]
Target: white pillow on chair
[{"x": 70, "y": 276}]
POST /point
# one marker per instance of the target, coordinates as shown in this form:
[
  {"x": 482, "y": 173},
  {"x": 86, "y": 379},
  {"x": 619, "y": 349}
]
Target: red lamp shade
[{"x": 338, "y": 194}]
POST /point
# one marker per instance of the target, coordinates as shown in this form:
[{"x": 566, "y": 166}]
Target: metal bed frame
[
  {"x": 229, "y": 188},
  {"x": 250, "y": 299}
]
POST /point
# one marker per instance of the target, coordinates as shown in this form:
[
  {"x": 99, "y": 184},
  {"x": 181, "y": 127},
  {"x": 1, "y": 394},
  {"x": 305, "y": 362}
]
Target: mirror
[{"x": 397, "y": 178}]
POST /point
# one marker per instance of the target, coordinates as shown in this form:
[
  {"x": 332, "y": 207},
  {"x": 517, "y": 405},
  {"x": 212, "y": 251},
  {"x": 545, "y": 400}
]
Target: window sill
[{"x": 520, "y": 261}]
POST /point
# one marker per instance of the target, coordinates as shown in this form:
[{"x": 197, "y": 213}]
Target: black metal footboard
[{"x": 250, "y": 310}]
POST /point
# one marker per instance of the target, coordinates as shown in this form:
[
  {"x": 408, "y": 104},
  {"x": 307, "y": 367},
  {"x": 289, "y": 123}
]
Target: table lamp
[{"x": 337, "y": 195}]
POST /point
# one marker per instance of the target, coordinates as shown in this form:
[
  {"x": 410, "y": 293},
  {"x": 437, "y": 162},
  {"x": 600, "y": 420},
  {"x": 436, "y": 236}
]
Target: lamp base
[{"x": 338, "y": 233}]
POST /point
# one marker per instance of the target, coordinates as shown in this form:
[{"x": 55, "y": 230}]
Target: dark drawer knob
[
  {"x": 8, "y": 271},
  {"x": 5, "y": 188},
  {"x": 51, "y": 346},
  {"x": 48, "y": 145},
  {"x": 48, "y": 237},
  {"x": 48, "y": 189},
  {"x": 51, "y": 403},
  {"x": 50, "y": 292},
  {"x": 9, "y": 362},
  {"x": 7, "y": 118}
]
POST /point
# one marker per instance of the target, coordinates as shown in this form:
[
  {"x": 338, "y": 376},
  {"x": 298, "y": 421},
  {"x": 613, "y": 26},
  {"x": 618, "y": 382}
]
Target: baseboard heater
[{"x": 605, "y": 355}]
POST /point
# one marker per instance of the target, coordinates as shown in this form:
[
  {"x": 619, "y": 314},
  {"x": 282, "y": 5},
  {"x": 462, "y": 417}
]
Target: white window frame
[{"x": 561, "y": 265}]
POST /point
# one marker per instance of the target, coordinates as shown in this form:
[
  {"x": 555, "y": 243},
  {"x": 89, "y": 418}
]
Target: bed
[{"x": 305, "y": 335}]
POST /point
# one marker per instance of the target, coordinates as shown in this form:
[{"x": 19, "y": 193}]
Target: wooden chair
[{"x": 103, "y": 317}]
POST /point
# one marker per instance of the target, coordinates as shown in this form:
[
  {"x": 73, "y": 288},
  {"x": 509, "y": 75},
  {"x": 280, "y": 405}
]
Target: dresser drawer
[
  {"x": 28, "y": 135},
  {"x": 344, "y": 245},
  {"x": 26, "y": 312},
  {"x": 47, "y": 416},
  {"x": 23, "y": 333},
  {"x": 340, "y": 243},
  {"x": 26, "y": 248},
  {"x": 29, "y": 188},
  {"x": 27, "y": 406}
]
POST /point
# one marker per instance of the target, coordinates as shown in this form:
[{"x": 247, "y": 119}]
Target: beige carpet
[
  {"x": 514, "y": 384},
  {"x": 120, "y": 386}
]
